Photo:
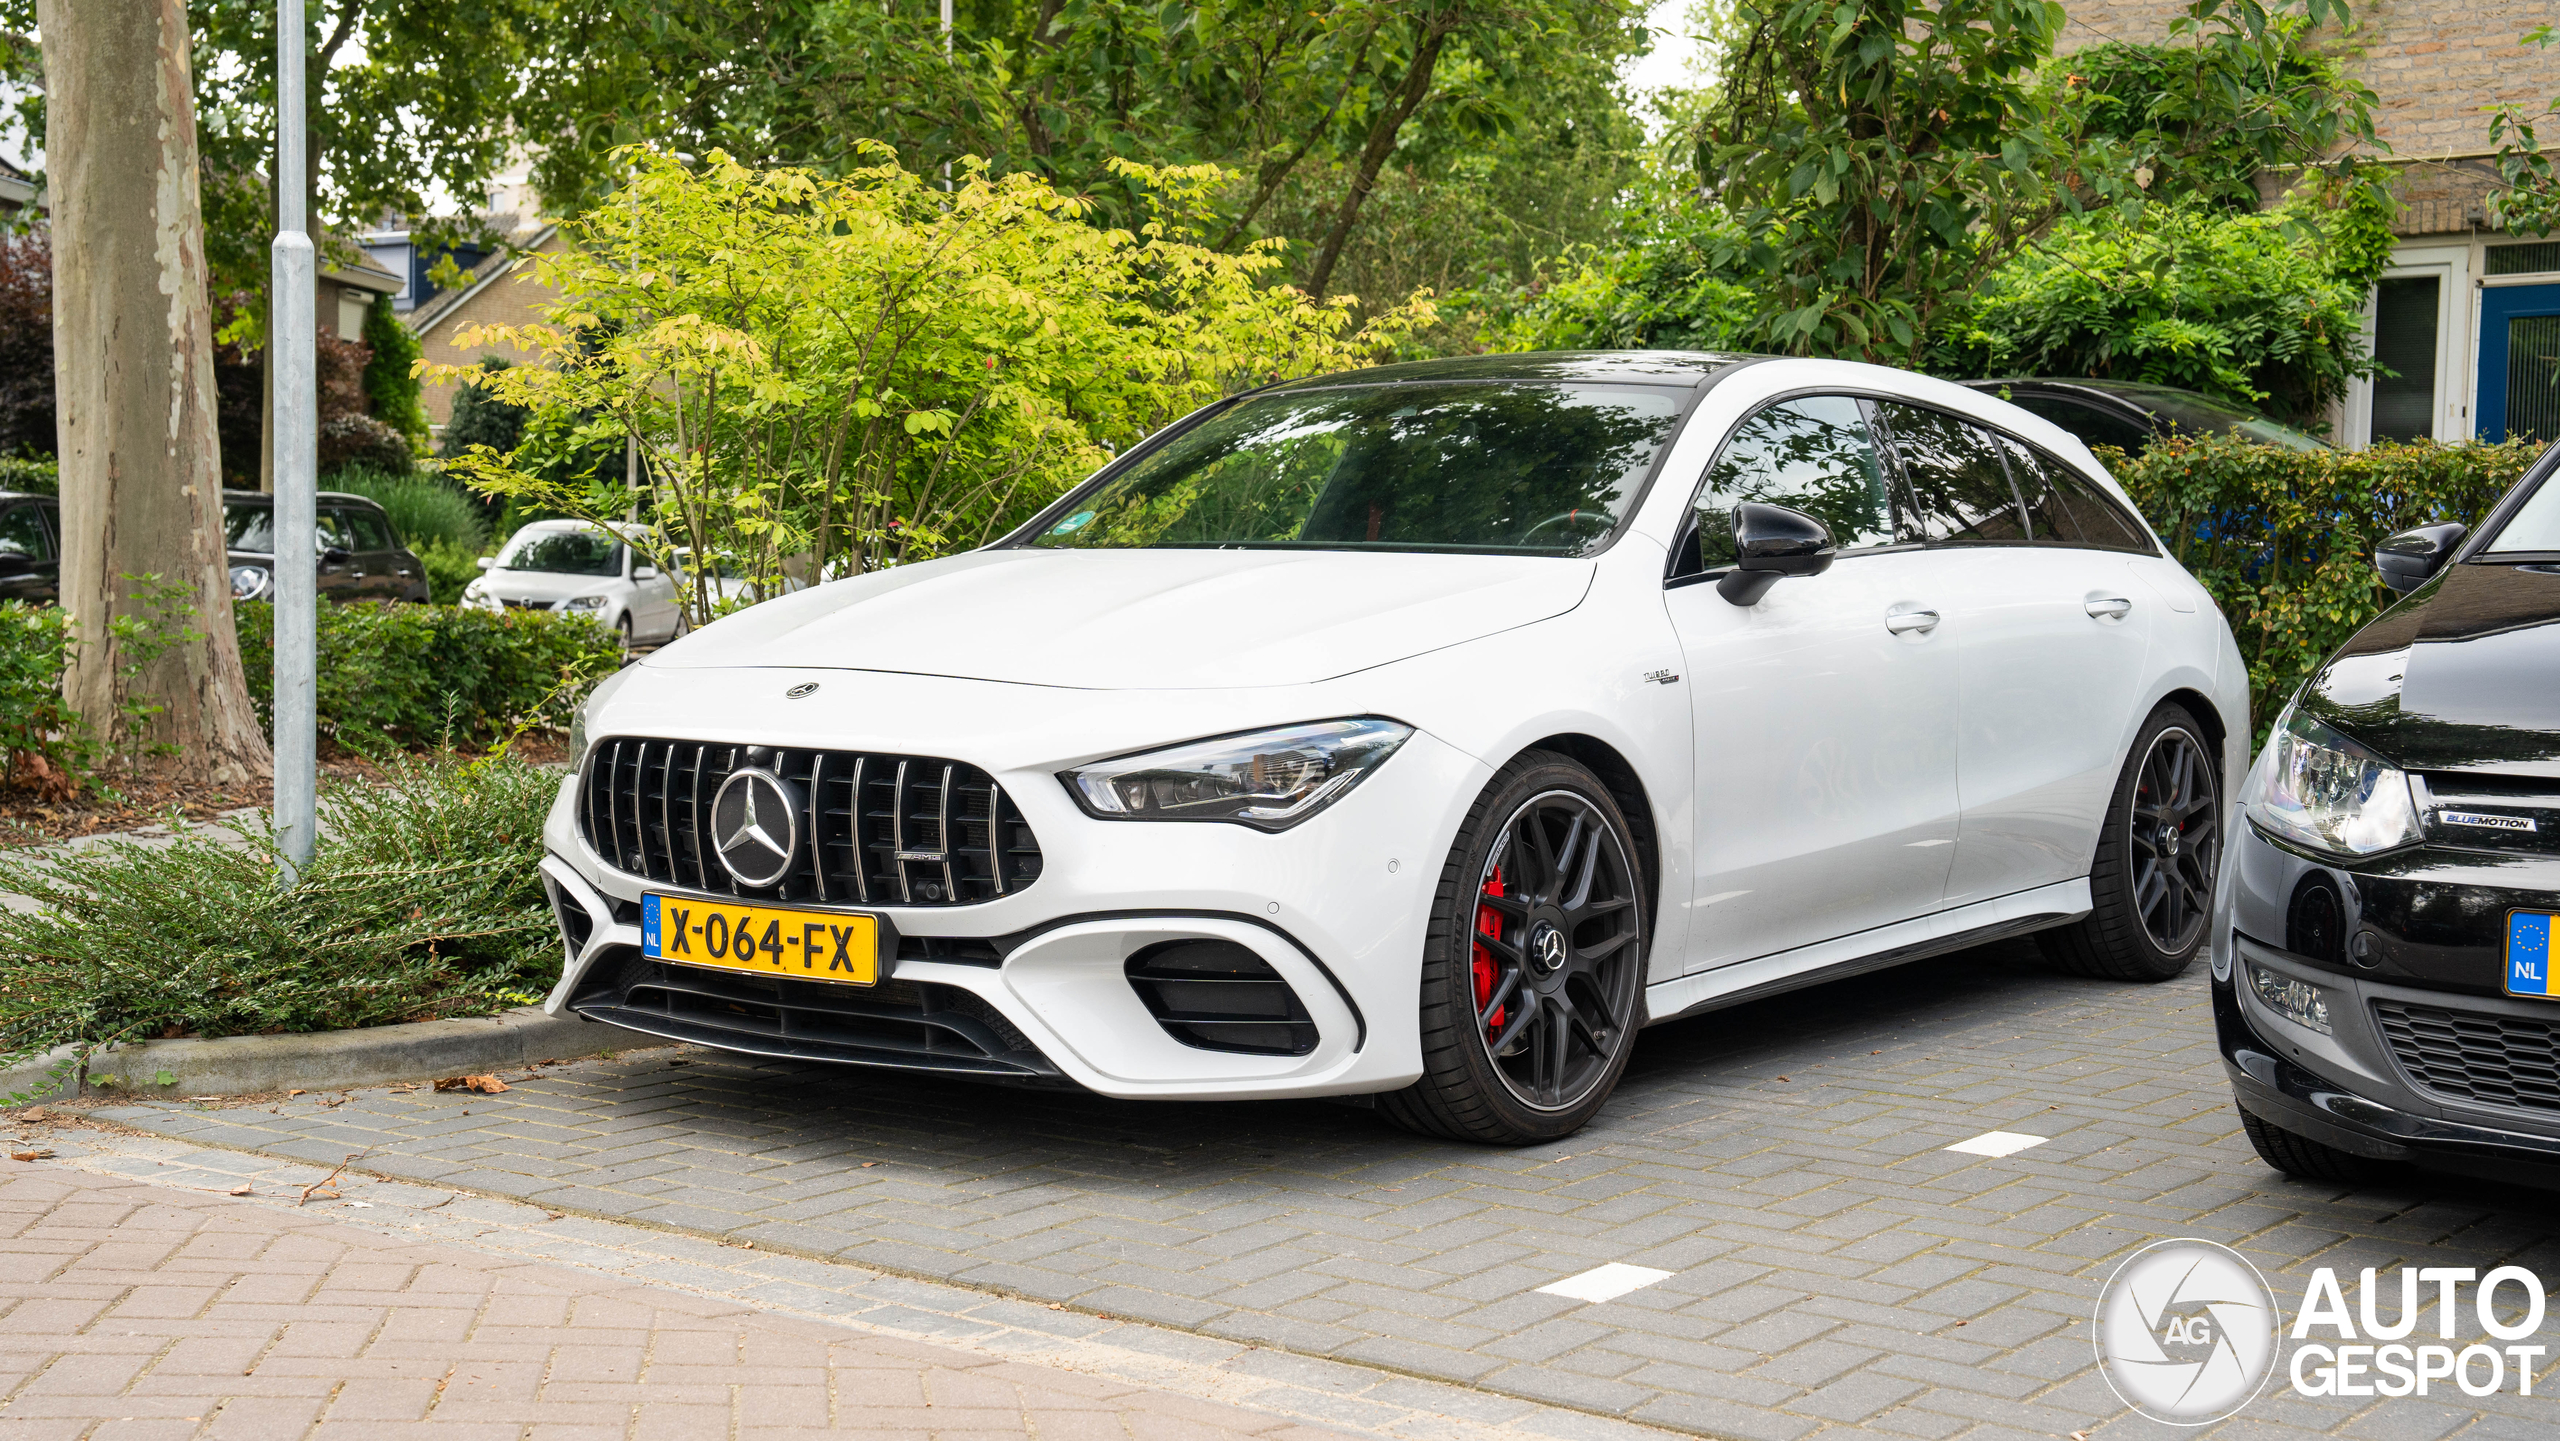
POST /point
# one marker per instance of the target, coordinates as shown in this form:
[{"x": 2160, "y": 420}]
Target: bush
[
  {"x": 423, "y": 900},
  {"x": 360, "y": 442},
  {"x": 450, "y": 569},
  {"x": 1658, "y": 291},
  {"x": 389, "y": 387},
  {"x": 2284, "y": 539},
  {"x": 30, "y": 474},
  {"x": 402, "y": 676},
  {"x": 480, "y": 418},
  {"x": 425, "y": 509},
  {"x": 41, "y": 741}
]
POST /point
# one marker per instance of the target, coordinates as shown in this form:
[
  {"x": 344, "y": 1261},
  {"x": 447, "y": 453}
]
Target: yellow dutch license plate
[{"x": 776, "y": 940}]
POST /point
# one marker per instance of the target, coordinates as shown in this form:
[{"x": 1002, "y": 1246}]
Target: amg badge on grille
[
  {"x": 755, "y": 826},
  {"x": 2484, "y": 818}
]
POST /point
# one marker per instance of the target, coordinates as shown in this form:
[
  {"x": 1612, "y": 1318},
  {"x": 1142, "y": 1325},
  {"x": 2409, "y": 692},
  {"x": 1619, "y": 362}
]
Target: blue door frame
[{"x": 2498, "y": 305}]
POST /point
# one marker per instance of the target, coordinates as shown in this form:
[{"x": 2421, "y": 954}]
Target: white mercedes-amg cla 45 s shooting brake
[{"x": 1420, "y": 734}]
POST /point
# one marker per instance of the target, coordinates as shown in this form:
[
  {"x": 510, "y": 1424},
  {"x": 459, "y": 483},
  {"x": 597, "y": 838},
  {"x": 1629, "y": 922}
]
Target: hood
[
  {"x": 543, "y": 584},
  {"x": 2464, "y": 675},
  {"x": 1143, "y": 619}
]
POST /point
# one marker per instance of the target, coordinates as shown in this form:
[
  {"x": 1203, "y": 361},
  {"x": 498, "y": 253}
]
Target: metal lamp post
[{"x": 293, "y": 283}]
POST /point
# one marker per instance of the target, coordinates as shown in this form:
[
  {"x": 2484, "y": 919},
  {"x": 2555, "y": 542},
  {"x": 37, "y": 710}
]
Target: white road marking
[
  {"x": 1998, "y": 1143},
  {"x": 1605, "y": 1283}
]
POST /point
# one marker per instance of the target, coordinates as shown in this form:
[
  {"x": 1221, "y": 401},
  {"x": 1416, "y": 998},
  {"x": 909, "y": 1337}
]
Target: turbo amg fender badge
[{"x": 755, "y": 826}]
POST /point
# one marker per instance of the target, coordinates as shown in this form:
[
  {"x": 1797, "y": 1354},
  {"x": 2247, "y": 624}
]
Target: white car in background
[
  {"x": 1422, "y": 733},
  {"x": 581, "y": 569}
]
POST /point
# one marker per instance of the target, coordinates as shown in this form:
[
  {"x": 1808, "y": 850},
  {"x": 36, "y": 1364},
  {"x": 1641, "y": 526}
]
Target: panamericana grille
[
  {"x": 2476, "y": 1056},
  {"x": 2494, "y": 813},
  {"x": 880, "y": 830}
]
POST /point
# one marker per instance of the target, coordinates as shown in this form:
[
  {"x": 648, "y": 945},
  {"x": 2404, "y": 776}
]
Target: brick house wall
[{"x": 502, "y": 290}]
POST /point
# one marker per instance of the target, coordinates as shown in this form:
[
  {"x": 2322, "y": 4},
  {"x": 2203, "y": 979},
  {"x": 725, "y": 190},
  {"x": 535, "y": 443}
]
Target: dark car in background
[
  {"x": 2382, "y": 952},
  {"x": 2131, "y": 416},
  {"x": 30, "y": 548},
  {"x": 361, "y": 557}
]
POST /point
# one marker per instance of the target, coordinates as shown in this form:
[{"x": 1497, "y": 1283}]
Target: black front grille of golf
[
  {"x": 907, "y": 1025},
  {"x": 2476, "y": 1056},
  {"x": 2494, "y": 813},
  {"x": 888, "y": 830}
]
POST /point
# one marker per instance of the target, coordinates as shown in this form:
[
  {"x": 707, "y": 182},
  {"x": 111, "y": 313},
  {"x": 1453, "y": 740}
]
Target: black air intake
[{"x": 1219, "y": 996}]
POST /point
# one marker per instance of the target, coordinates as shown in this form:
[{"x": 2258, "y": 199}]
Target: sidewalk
[{"x": 131, "y": 1311}]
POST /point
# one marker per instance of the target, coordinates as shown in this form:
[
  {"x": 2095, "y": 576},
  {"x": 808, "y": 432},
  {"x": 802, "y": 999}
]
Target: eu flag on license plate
[
  {"x": 2529, "y": 954},
  {"x": 649, "y": 925}
]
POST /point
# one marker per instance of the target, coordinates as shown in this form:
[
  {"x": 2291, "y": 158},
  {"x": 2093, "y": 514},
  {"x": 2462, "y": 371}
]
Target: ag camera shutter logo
[{"x": 2186, "y": 1332}]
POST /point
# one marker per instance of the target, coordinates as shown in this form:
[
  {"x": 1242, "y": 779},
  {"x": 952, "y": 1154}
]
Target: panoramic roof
[{"x": 1626, "y": 367}]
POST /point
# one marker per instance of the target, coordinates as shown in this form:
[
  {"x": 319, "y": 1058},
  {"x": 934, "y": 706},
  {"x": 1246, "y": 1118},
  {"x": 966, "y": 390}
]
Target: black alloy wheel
[
  {"x": 2151, "y": 882},
  {"x": 1533, "y": 977}
]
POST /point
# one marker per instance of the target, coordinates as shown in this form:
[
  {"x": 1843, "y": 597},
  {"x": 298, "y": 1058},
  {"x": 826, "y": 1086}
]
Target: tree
[
  {"x": 390, "y": 379},
  {"x": 2530, "y": 199},
  {"x": 1881, "y": 157},
  {"x": 133, "y": 344}
]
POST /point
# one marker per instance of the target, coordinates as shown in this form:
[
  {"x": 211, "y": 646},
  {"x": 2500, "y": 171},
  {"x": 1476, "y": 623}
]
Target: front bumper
[
  {"x": 2427, "y": 1059},
  {"x": 1032, "y": 986}
]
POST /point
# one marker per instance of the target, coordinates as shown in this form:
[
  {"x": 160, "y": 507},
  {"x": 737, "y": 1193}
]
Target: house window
[
  {"x": 2404, "y": 342},
  {"x": 352, "y": 304},
  {"x": 2524, "y": 259}
]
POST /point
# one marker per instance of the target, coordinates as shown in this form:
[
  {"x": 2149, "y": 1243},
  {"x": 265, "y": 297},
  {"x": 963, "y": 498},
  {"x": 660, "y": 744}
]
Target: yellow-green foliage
[
  {"x": 872, "y": 369},
  {"x": 2284, "y": 538}
]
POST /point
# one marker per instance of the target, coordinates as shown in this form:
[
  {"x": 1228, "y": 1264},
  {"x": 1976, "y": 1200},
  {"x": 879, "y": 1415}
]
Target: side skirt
[{"x": 1898, "y": 944}]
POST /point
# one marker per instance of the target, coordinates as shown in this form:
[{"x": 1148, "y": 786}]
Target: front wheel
[
  {"x": 1533, "y": 966},
  {"x": 2151, "y": 882}
]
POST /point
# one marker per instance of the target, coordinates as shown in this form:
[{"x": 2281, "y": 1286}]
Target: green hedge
[
  {"x": 2284, "y": 539},
  {"x": 400, "y": 676},
  {"x": 39, "y": 737}
]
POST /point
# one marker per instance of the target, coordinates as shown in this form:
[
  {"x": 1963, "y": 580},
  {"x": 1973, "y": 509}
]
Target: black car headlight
[
  {"x": 1270, "y": 779},
  {"x": 2319, "y": 789}
]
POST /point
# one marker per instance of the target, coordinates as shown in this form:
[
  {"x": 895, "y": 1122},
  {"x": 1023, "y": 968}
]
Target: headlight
[
  {"x": 1268, "y": 779},
  {"x": 477, "y": 590},
  {"x": 578, "y": 734},
  {"x": 2317, "y": 788},
  {"x": 250, "y": 582},
  {"x": 584, "y": 602}
]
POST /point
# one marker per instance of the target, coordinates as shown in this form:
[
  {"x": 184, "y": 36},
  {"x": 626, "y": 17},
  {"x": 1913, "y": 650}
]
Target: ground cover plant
[
  {"x": 2283, "y": 539},
  {"x": 422, "y": 901},
  {"x": 397, "y": 677}
]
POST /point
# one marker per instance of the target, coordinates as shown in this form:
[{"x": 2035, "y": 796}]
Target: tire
[
  {"x": 2303, "y": 1157},
  {"x": 622, "y": 628},
  {"x": 2150, "y": 891},
  {"x": 1533, "y": 964}
]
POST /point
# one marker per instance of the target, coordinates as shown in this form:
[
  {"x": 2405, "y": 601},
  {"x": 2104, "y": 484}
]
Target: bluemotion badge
[{"x": 2186, "y": 1332}]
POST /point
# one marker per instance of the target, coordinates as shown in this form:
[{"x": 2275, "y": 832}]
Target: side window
[
  {"x": 1813, "y": 454},
  {"x": 1959, "y": 489},
  {"x": 370, "y": 530},
  {"x": 329, "y": 528},
  {"x": 22, "y": 532},
  {"x": 2095, "y": 427},
  {"x": 2068, "y": 508}
]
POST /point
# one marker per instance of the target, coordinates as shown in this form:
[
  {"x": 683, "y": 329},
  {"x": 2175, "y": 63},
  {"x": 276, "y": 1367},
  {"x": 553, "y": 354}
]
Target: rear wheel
[
  {"x": 1533, "y": 967},
  {"x": 2151, "y": 882},
  {"x": 2303, "y": 1157}
]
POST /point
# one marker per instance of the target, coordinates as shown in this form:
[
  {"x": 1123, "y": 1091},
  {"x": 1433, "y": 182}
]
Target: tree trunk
[
  {"x": 133, "y": 371},
  {"x": 1382, "y": 143}
]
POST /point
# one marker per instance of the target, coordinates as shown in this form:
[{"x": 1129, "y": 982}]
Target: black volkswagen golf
[{"x": 2382, "y": 963}]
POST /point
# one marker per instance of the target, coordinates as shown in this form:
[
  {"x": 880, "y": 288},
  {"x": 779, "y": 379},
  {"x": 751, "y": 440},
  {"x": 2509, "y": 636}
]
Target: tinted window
[
  {"x": 1813, "y": 454},
  {"x": 371, "y": 531},
  {"x": 251, "y": 527},
  {"x": 2534, "y": 527},
  {"x": 563, "y": 552},
  {"x": 2095, "y": 427},
  {"x": 331, "y": 530},
  {"x": 2066, "y": 508},
  {"x": 1959, "y": 489},
  {"x": 1537, "y": 469},
  {"x": 22, "y": 532}
]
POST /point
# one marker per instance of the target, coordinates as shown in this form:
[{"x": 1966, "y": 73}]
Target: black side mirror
[
  {"x": 336, "y": 555},
  {"x": 2408, "y": 560},
  {"x": 1771, "y": 542}
]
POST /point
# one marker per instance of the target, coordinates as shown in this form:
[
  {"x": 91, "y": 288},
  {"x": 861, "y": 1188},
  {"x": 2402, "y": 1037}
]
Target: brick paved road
[
  {"x": 132, "y": 1311},
  {"x": 1835, "y": 1268}
]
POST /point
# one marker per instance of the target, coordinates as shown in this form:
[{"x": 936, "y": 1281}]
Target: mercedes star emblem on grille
[{"x": 755, "y": 826}]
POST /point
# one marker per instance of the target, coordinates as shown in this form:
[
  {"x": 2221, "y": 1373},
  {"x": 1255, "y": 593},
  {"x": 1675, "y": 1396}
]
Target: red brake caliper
[{"x": 1488, "y": 923}]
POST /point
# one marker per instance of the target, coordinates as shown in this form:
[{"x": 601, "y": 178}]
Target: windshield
[
  {"x": 563, "y": 552},
  {"x": 2203, "y": 415},
  {"x": 1532, "y": 469},
  {"x": 2535, "y": 527}
]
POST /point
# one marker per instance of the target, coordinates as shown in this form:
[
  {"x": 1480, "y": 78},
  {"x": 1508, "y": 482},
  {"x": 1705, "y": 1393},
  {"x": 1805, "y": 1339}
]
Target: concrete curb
[{"x": 321, "y": 1060}]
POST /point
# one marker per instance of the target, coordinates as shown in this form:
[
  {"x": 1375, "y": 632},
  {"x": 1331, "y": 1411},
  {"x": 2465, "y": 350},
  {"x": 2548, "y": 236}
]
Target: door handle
[
  {"x": 2108, "y": 607},
  {"x": 1901, "y": 622}
]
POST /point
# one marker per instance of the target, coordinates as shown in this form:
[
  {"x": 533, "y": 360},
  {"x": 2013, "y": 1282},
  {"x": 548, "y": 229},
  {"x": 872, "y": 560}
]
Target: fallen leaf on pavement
[
  {"x": 37, "y": 1155},
  {"x": 490, "y": 1085},
  {"x": 34, "y": 1113},
  {"x": 297, "y": 1093},
  {"x": 239, "y": 1190}
]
